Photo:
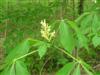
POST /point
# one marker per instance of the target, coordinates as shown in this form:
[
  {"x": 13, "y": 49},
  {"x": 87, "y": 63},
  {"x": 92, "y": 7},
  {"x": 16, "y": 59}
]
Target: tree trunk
[{"x": 81, "y": 3}]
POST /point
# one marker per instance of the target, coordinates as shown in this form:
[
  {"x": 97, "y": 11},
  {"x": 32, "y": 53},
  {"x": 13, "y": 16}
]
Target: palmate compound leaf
[
  {"x": 66, "y": 69},
  {"x": 20, "y": 50},
  {"x": 17, "y": 68},
  {"x": 17, "y": 52},
  {"x": 66, "y": 37}
]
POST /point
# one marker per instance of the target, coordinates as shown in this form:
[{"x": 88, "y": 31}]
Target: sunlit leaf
[
  {"x": 42, "y": 49},
  {"x": 66, "y": 69},
  {"x": 95, "y": 23},
  {"x": 96, "y": 41},
  {"x": 66, "y": 37},
  {"x": 21, "y": 68},
  {"x": 83, "y": 41},
  {"x": 17, "y": 68},
  {"x": 77, "y": 70}
]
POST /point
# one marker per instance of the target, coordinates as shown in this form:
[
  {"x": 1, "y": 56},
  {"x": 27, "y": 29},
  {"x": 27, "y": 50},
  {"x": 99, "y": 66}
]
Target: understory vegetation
[{"x": 50, "y": 37}]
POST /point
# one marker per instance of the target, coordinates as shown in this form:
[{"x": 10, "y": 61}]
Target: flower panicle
[{"x": 46, "y": 31}]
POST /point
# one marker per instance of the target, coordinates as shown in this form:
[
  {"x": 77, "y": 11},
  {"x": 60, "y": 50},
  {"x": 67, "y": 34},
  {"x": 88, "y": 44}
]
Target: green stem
[
  {"x": 68, "y": 54},
  {"x": 77, "y": 60},
  {"x": 24, "y": 55}
]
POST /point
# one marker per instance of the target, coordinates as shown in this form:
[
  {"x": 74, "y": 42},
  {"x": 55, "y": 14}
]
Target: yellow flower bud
[{"x": 46, "y": 31}]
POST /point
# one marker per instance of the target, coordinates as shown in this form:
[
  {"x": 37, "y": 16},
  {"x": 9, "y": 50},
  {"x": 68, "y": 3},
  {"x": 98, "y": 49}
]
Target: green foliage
[
  {"x": 67, "y": 41},
  {"x": 66, "y": 37},
  {"x": 21, "y": 20},
  {"x": 77, "y": 71},
  {"x": 66, "y": 69},
  {"x": 42, "y": 49},
  {"x": 11, "y": 63},
  {"x": 87, "y": 71},
  {"x": 16, "y": 68},
  {"x": 96, "y": 41},
  {"x": 81, "y": 38}
]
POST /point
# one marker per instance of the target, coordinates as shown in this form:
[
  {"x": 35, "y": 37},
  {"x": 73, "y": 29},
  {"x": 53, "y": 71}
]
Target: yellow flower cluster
[{"x": 46, "y": 31}]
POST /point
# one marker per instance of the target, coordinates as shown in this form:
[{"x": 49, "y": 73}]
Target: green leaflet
[
  {"x": 66, "y": 69},
  {"x": 17, "y": 68},
  {"x": 9, "y": 70},
  {"x": 77, "y": 70},
  {"x": 42, "y": 49},
  {"x": 96, "y": 41},
  {"x": 66, "y": 37},
  {"x": 83, "y": 42},
  {"x": 12, "y": 70},
  {"x": 86, "y": 24},
  {"x": 95, "y": 23},
  {"x": 21, "y": 68}
]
